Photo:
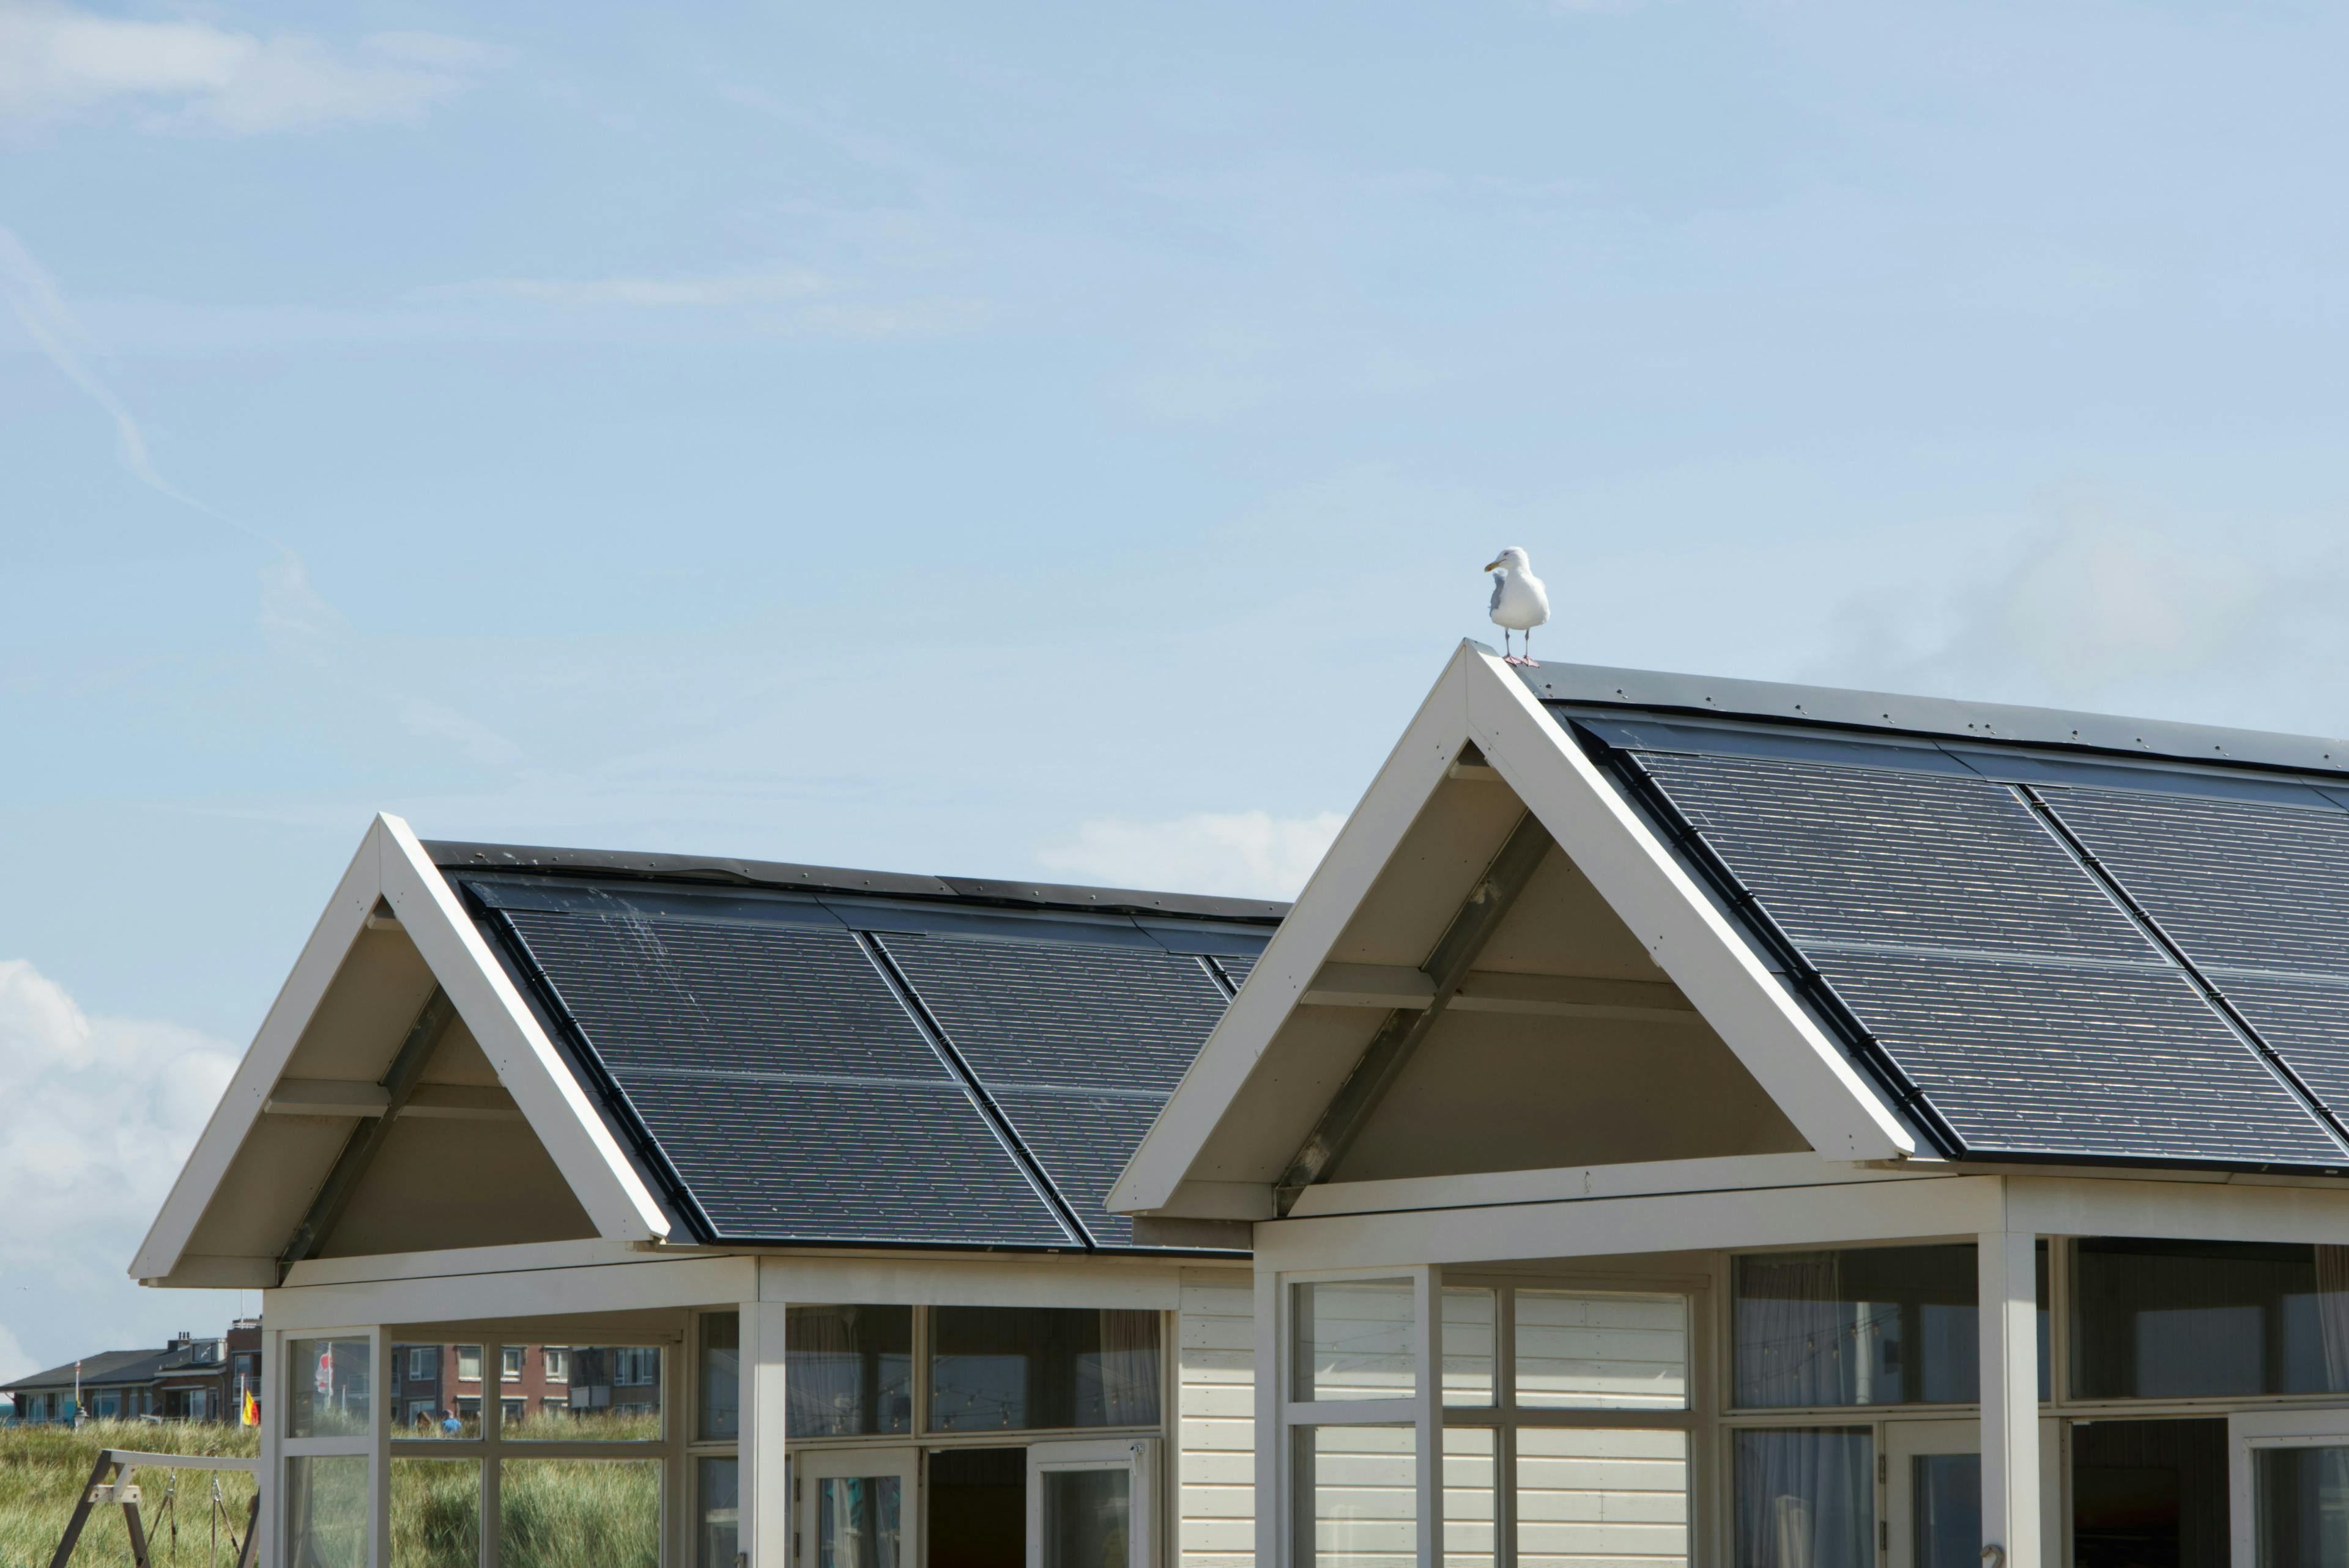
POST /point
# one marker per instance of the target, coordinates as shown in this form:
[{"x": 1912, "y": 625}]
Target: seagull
[{"x": 1520, "y": 603}]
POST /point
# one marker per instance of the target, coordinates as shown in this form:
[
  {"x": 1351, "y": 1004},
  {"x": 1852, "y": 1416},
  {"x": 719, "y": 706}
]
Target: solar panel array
[
  {"x": 813, "y": 1072},
  {"x": 2043, "y": 998}
]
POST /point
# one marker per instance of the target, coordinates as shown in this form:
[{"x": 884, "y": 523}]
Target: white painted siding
[{"x": 1216, "y": 1416}]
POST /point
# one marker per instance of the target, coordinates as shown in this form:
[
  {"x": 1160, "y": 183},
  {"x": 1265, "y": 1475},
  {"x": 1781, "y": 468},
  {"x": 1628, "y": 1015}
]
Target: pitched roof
[
  {"x": 2049, "y": 936},
  {"x": 108, "y": 1368},
  {"x": 798, "y": 1054},
  {"x": 1923, "y": 927}
]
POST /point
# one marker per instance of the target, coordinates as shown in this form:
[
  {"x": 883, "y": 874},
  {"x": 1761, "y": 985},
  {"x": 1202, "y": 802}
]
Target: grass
[
  {"x": 43, "y": 1469},
  {"x": 553, "y": 1513}
]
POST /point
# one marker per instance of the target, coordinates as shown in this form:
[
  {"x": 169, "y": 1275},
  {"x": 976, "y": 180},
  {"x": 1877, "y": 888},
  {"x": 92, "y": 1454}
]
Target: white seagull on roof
[{"x": 1520, "y": 603}]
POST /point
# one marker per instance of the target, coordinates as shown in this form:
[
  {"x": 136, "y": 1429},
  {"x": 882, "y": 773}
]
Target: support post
[
  {"x": 1427, "y": 1353},
  {"x": 2008, "y": 1278},
  {"x": 764, "y": 1528},
  {"x": 1274, "y": 1528}
]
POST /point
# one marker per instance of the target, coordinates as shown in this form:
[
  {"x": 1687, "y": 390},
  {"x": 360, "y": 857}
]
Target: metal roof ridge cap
[{"x": 1949, "y": 717}]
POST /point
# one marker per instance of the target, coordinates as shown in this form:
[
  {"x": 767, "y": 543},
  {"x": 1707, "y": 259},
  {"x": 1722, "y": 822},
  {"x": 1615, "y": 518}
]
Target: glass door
[
  {"x": 1092, "y": 1504},
  {"x": 2288, "y": 1477},
  {"x": 857, "y": 1508},
  {"x": 1932, "y": 1494}
]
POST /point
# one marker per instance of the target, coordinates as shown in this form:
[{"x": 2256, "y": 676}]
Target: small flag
[
  {"x": 325, "y": 1381},
  {"x": 249, "y": 1414}
]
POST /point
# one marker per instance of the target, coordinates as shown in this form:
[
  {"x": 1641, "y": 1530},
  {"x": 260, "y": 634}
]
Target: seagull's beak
[{"x": 1492, "y": 565}]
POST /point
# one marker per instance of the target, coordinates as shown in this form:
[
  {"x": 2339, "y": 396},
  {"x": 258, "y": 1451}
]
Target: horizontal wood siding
[{"x": 1215, "y": 1368}]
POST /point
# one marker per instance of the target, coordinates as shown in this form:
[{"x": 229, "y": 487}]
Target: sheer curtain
[
  {"x": 823, "y": 1384},
  {"x": 1128, "y": 1371},
  {"x": 1794, "y": 1333},
  {"x": 2333, "y": 1313},
  {"x": 1805, "y": 1499}
]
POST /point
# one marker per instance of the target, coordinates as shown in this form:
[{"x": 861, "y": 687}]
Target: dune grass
[
  {"x": 553, "y": 1513},
  {"x": 43, "y": 1468}
]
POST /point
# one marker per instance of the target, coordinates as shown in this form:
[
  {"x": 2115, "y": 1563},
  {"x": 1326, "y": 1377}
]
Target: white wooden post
[
  {"x": 762, "y": 1483},
  {"x": 2010, "y": 1397},
  {"x": 270, "y": 1480},
  {"x": 1427, "y": 1352},
  {"x": 1273, "y": 1528}
]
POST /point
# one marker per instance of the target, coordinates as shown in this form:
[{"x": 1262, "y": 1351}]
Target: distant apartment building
[{"x": 432, "y": 1384}]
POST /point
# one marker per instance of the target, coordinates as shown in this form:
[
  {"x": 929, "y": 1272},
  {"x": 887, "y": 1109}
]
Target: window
[
  {"x": 1020, "y": 1368},
  {"x": 558, "y": 1363},
  {"x": 331, "y": 1391},
  {"x": 847, "y": 1370},
  {"x": 720, "y": 1417},
  {"x": 510, "y": 1362},
  {"x": 420, "y": 1359},
  {"x": 1353, "y": 1340},
  {"x": 1805, "y": 1498},
  {"x": 468, "y": 1363},
  {"x": 511, "y": 1411},
  {"x": 614, "y": 1395},
  {"x": 716, "y": 1540},
  {"x": 2161, "y": 1319},
  {"x": 1872, "y": 1325}
]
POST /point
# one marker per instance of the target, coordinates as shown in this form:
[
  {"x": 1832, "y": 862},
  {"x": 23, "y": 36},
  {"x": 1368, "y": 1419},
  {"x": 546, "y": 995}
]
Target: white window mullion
[
  {"x": 1427, "y": 1358},
  {"x": 379, "y": 1450},
  {"x": 1273, "y": 1529}
]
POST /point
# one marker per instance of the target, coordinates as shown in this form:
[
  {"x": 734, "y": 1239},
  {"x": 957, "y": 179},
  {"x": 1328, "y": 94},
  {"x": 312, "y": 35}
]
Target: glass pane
[
  {"x": 858, "y": 1523},
  {"x": 2150, "y": 1494},
  {"x": 848, "y": 1370},
  {"x": 1805, "y": 1499},
  {"x": 717, "y": 1482},
  {"x": 721, "y": 1375},
  {"x": 1007, "y": 1368},
  {"x": 468, "y": 1364},
  {"x": 329, "y": 1390},
  {"x": 1617, "y": 1496},
  {"x": 569, "y": 1514},
  {"x": 435, "y": 1513},
  {"x": 1469, "y": 1338},
  {"x": 1584, "y": 1351},
  {"x": 2165, "y": 1320},
  {"x": 609, "y": 1393},
  {"x": 326, "y": 1511},
  {"x": 1876, "y": 1325},
  {"x": 1945, "y": 1511},
  {"x": 424, "y": 1394},
  {"x": 2303, "y": 1507},
  {"x": 1353, "y": 1340},
  {"x": 1087, "y": 1514},
  {"x": 1470, "y": 1538},
  {"x": 1360, "y": 1497}
]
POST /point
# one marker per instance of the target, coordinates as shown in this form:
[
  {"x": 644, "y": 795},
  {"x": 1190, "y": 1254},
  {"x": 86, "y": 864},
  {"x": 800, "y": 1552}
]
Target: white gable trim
[
  {"x": 1479, "y": 700},
  {"x": 392, "y": 866}
]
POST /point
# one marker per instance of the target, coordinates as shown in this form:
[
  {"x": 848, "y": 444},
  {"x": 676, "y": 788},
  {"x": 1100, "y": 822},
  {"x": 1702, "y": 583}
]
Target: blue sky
[{"x": 1060, "y": 440}]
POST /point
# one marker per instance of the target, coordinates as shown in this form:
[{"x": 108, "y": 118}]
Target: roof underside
[
  {"x": 2042, "y": 953},
  {"x": 964, "y": 1065}
]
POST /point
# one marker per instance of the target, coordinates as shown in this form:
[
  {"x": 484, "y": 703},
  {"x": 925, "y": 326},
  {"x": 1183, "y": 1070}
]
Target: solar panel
[
  {"x": 785, "y": 1082},
  {"x": 2257, "y": 897},
  {"x": 2031, "y": 1012},
  {"x": 1235, "y": 969},
  {"x": 1079, "y": 1045}
]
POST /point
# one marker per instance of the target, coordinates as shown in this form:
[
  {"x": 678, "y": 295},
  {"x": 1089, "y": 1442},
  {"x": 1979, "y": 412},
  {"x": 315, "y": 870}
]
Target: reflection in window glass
[
  {"x": 1945, "y": 1511},
  {"x": 1873, "y": 1325},
  {"x": 721, "y": 1375},
  {"x": 2165, "y": 1320},
  {"x": 1088, "y": 1519},
  {"x": 1008, "y": 1369},
  {"x": 613, "y": 1395},
  {"x": 1353, "y": 1340},
  {"x": 1616, "y": 1495},
  {"x": 1595, "y": 1351},
  {"x": 435, "y": 1513},
  {"x": 1470, "y": 1532},
  {"x": 848, "y": 1370},
  {"x": 326, "y": 1511},
  {"x": 421, "y": 1405},
  {"x": 2302, "y": 1507},
  {"x": 1805, "y": 1499},
  {"x": 860, "y": 1523},
  {"x": 717, "y": 1482},
  {"x": 329, "y": 1388},
  {"x": 561, "y": 1514},
  {"x": 1357, "y": 1499},
  {"x": 1470, "y": 1331}
]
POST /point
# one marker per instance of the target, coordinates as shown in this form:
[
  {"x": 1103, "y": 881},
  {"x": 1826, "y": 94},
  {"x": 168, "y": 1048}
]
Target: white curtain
[
  {"x": 1796, "y": 1337},
  {"x": 1128, "y": 1371},
  {"x": 1805, "y": 1499},
  {"x": 2333, "y": 1313},
  {"x": 823, "y": 1384}
]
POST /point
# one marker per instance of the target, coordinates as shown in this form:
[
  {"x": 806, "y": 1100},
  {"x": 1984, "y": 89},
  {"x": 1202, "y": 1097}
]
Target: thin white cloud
[
  {"x": 1246, "y": 855},
  {"x": 102, "y": 1113},
  {"x": 60, "y": 61},
  {"x": 673, "y": 293}
]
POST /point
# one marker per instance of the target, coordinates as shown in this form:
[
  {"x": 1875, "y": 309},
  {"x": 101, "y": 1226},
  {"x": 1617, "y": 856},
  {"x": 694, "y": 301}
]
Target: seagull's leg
[{"x": 1531, "y": 663}]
